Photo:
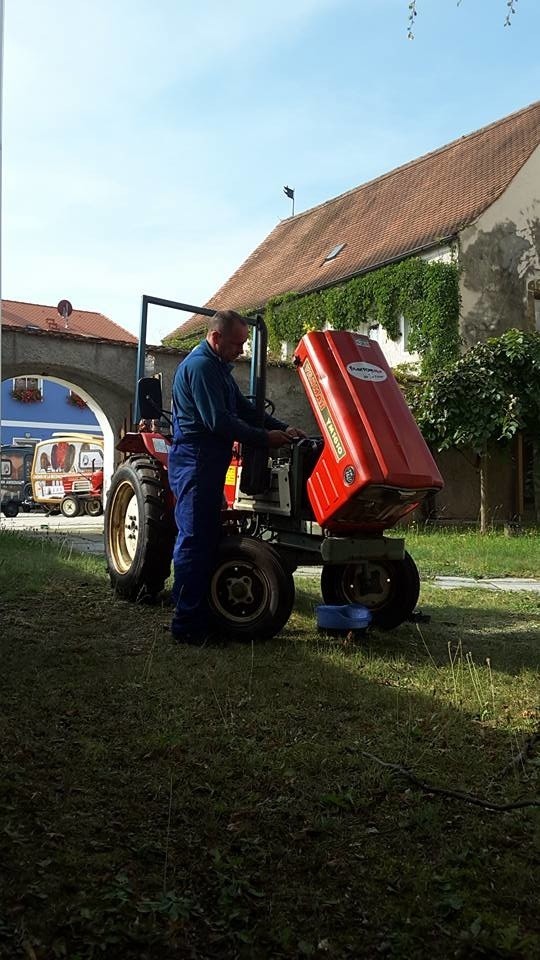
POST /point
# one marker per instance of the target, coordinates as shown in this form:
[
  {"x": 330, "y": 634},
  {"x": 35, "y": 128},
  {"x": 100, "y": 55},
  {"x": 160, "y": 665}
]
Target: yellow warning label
[
  {"x": 230, "y": 476},
  {"x": 337, "y": 443},
  {"x": 314, "y": 384}
]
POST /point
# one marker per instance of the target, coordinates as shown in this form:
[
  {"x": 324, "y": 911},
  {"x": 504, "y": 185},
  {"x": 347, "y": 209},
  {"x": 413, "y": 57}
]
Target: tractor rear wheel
[
  {"x": 251, "y": 593},
  {"x": 139, "y": 529},
  {"x": 94, "y": 507},
  {"x": 388, "y": 588}
]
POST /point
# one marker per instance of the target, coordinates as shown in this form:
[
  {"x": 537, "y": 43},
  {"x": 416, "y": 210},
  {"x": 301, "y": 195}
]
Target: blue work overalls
[
  {"x": 209, "y": 413},
  {"x": 197, "y": 469}
]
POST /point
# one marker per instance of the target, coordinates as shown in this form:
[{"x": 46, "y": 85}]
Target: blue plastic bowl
[{"x": 348, "y": 616}]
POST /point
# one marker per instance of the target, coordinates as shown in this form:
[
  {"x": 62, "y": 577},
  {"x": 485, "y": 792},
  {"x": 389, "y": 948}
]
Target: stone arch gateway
[{"x": 103, "y": 372}]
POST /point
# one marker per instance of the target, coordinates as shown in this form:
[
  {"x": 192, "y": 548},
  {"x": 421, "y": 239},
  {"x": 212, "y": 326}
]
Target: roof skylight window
[{"x": 334, "y": 252}]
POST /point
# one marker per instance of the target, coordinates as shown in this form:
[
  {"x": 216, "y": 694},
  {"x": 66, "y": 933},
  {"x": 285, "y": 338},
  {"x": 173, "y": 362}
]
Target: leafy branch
[
  {"x": 487, "y": 395},
  {"x": 511, "y": 6},
  {"x": 426, "y": 787},
  {"x": 511, "y": 9}
]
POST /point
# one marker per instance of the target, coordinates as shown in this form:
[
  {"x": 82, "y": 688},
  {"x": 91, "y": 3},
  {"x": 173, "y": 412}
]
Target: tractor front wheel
[
  {"x": 388, "y": 588},
  {"x": 139, "y": 529},
  {"x": 70, "y": 506},
  {"x": 251, "y": 593}
]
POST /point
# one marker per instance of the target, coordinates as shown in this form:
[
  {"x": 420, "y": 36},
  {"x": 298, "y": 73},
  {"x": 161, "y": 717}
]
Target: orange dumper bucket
[{"x": 375, "y": 466}]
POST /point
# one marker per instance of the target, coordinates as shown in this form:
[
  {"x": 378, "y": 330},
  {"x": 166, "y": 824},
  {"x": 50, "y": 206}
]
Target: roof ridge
[
  {"x": 49, "y": 306},
  {"x": 118, "y": 326},
  {"x": 411, "y": 163},
  {"x": 46, "y": 315}
]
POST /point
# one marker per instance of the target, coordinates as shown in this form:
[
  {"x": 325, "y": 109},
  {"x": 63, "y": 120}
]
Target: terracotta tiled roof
[
  {"x": 409, "y": 209},
  {"x": 81, "y": 323}
]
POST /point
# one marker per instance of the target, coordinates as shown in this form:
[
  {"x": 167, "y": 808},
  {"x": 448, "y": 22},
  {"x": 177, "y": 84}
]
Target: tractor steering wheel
[{"x": 269, "y": 405}]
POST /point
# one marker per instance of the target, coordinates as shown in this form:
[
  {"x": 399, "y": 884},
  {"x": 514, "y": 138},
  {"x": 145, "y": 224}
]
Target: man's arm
[
  {"x": 248, "y": 413},
  {"x": 208, "y": 392},
  {"x": 246, "y": 410}
]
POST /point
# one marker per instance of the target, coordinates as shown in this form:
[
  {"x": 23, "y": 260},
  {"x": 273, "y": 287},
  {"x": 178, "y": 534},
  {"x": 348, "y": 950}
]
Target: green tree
[{"x": 485, "y": 397}]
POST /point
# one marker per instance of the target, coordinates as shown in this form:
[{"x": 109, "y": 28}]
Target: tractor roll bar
[{"x": 257, "y": 381}]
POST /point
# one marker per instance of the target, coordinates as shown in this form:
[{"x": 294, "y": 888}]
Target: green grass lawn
[
  {"x": 464, "y": 553},
  {"x": 162, "y": 802}
]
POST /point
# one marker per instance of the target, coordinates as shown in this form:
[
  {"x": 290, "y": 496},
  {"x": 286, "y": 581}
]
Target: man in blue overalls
[{"x": 209, "y": 414}]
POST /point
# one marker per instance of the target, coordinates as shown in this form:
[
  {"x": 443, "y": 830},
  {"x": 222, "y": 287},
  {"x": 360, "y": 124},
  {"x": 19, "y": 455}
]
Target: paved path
[
  {"x": 494, "y": 583},
  {"x": 85, "y": 534},
  {"x": 458, "y": 583}
]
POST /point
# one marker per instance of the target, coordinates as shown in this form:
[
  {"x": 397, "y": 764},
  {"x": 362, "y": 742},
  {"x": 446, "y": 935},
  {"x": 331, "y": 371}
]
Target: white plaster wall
[
  {"x": 394, "y": 350},
  {"x": 445, "y": 254},
  {"x": 519, "y": 204}
]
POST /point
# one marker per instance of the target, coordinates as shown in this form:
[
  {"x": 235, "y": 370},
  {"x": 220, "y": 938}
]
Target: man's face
[{"x": 229, "y": 346}]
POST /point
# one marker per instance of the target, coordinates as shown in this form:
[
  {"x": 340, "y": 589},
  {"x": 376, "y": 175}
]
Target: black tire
[
  {"x": 70, "y": 506},
  {"x": 94, "y": 507},
  {"x": 139, "y": 529},
  {"x": 251, "y": 594},
  {"x": 391, "y": 593},
  {"x": 10, "y": 508}
]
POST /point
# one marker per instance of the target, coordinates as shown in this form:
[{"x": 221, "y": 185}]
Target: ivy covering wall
[{"x": 425, "y": 293}]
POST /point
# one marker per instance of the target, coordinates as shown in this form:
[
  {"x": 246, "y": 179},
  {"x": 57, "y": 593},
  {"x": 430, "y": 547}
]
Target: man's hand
[
  {"x": 278, "y": 438},
  {"x": 295, "y": 433}
]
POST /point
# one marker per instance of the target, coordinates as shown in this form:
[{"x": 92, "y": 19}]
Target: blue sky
[{"x": 146, "y": 143}]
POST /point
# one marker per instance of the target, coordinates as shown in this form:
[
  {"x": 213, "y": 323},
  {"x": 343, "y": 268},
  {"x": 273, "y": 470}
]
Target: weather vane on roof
[{"x": 289, "y": 192}]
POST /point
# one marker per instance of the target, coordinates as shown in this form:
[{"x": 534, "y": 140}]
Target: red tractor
[{"x": 324, "y": 502}]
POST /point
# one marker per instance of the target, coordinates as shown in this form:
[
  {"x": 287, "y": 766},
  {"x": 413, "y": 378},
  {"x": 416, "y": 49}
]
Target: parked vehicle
[
  {"x": 67, "y": 473},
  {"x": 327, "y": 500},
  {"x": 15, "y": 480}
]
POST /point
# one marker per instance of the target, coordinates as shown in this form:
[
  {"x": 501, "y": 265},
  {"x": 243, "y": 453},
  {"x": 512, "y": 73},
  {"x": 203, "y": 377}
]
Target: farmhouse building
[
  {"x": 474, "y": 203},
  {"x": 476, "y": 199}
]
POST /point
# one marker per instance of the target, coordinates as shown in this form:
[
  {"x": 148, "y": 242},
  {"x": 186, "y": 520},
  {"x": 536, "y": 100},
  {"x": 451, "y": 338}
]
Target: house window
[
  {"x": 28, "y": 383},
  {"x": 26, "y": 441},
  {"x": 334, "y": 252},
  {"x": 27, "y": 389},
  {"x": 404, "y": 329}
]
